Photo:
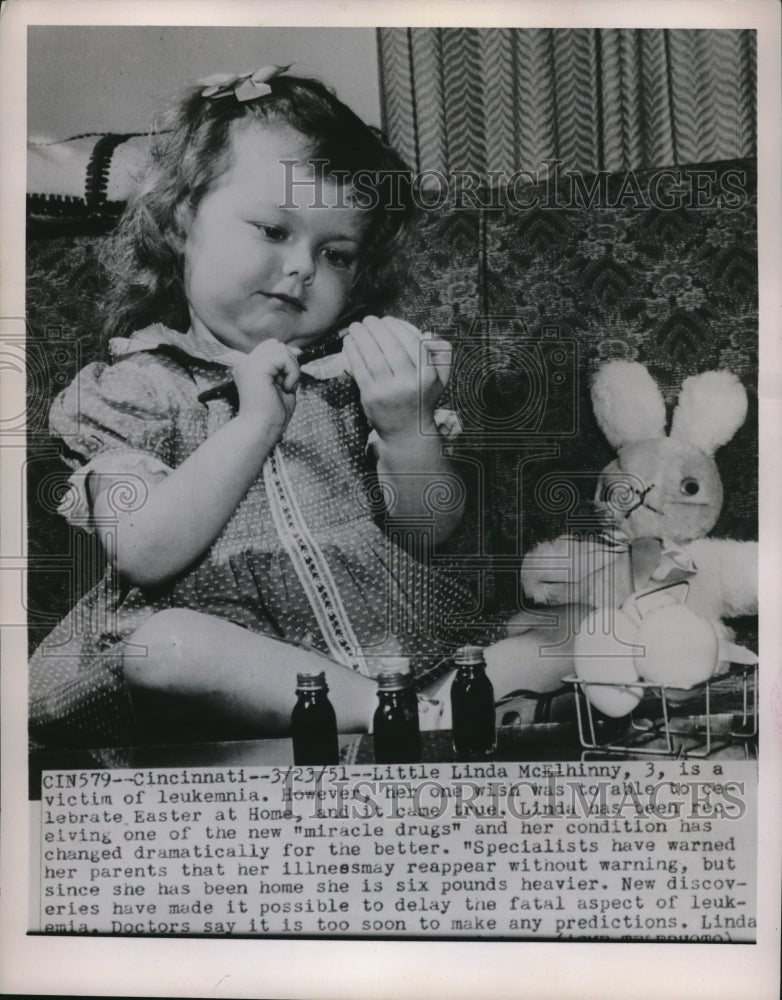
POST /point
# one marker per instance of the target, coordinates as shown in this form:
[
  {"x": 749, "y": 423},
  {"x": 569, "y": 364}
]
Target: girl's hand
[
  {"x": 266, "y": 380},
  {"x": 399, "y": 381}
]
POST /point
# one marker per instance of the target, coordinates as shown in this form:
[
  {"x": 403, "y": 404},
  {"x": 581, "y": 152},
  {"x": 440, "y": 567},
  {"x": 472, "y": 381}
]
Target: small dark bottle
[
  {"x": 313, "y": 722},
  {"x": 401, "y": 665},
  {"x": 395, "y": 727},
  {"x": 472, "y": 705}
]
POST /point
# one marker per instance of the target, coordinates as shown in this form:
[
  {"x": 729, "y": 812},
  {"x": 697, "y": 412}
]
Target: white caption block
[{"x": 592, "y": 851}]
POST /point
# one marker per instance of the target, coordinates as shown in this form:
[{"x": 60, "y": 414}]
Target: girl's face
[{"x": 255, "y": 269}]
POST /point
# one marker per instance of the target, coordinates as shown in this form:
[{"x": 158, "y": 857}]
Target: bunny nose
[{"x": 649, "y": 498}]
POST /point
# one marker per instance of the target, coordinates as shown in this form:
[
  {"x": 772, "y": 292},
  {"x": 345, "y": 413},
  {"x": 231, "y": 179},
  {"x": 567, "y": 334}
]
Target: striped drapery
[{"x": 506, "y": 99}]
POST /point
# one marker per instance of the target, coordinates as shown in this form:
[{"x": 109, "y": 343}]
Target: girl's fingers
[
  {"x": 275, "y": 359},
  {"x": 409, "y": 336},
  {"x": 375, "y": 357},
  {"x": 439, "y": 355},
  {"x": 422, "y": 349},
  {"x": 358, "y": 368},
  {"x": 392, "y": 344},
  {"x": 290, "y": 381},
  {"x": 289, "y": 369},
  {"x": 390, "y": 338}
]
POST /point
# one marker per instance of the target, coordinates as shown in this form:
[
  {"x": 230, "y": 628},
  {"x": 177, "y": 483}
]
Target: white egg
[
  {"x": 679, "y": 647},
  {"x": 604, "y": 650}
]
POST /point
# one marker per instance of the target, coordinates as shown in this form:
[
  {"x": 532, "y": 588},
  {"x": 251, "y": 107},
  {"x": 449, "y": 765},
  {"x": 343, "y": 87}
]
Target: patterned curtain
[{"x": 505, "y": 99}]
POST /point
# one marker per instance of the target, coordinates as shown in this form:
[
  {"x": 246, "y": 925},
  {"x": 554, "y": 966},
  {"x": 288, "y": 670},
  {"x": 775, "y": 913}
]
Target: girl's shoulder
[
  {"x": 170, "y": 357},
  {"x": 152, "y": 374},
  {"x": 157, "y": 345},
  {"x": 136, "y": 373}
]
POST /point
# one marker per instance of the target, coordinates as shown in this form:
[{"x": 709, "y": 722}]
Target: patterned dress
[{"x": 304, "y": 557}]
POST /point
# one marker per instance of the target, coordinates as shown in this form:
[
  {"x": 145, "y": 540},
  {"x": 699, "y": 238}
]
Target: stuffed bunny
[{"x": 657, "y": 588}]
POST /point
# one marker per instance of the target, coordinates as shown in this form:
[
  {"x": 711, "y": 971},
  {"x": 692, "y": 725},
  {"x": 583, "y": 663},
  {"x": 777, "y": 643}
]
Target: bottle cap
[
  {"x": 311, "y": 680},
  {"x": 391, "y": 681},
  {"x": 399, "y": 664},
  {"x": 469, "y": 654},
  {"x": 394, "y": 674}
]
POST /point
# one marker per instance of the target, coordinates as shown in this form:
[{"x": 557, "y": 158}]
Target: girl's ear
[
  {"x": 627, "y": 403},
  {"x": 711, "y": 408}
]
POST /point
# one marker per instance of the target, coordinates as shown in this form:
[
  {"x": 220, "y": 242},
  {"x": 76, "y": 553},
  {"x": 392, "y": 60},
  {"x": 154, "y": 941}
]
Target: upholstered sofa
[{"x": 534, "y": 285}]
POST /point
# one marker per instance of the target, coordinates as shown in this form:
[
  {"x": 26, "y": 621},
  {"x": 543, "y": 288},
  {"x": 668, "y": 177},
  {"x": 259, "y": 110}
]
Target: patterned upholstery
[{"x": 534, "y": 299}]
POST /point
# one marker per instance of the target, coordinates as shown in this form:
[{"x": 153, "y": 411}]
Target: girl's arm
[
  {"x": 399, "y": 395},
  {"x": 422, "y": 481},
  {"x": 187, "y": 510}
]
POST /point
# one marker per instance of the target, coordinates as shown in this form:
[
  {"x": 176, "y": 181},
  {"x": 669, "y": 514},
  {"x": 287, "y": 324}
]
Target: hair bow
[{"x": 243, "y": 86}]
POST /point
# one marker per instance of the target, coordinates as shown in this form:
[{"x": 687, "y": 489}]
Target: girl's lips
[{"x": 287, "y": 300}]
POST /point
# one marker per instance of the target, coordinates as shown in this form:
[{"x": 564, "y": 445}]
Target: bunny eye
[{"x": 689, "y": 486}]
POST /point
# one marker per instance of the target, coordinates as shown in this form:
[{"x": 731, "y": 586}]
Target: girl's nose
[{"x": 298, "y": 261}]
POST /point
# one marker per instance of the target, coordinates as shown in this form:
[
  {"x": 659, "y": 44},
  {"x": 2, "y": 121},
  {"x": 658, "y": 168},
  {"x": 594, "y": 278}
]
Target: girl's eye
[
  {"x": 689, "y": 486},
  {"x": 336, "y": 258},
  {"x": 271, "y": 232}
]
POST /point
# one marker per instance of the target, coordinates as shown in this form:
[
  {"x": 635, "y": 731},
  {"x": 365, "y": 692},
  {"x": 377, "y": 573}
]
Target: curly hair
[{"x": 191, "y": 149}]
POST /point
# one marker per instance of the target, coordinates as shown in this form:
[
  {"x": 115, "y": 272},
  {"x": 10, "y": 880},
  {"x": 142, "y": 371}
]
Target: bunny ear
[
  {"x": 711, "y": 408},
  {"x": 627, "y": 403}
]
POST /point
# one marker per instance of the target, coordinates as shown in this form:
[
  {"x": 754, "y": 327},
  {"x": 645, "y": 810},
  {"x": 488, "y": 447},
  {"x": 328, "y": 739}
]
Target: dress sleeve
[{"x": 116, "y": 423}]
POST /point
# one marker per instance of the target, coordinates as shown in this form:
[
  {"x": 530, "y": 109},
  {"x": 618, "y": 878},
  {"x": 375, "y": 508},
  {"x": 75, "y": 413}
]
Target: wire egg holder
[{"x": 668, "y": 735}]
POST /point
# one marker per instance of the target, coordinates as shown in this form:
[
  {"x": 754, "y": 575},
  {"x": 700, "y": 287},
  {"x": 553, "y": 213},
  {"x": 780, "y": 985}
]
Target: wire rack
[{"x": 672, "y": 721}]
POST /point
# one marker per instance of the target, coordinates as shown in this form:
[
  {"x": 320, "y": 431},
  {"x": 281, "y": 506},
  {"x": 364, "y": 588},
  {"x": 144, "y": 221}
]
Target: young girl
[{"x": 222, "y": 456}]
